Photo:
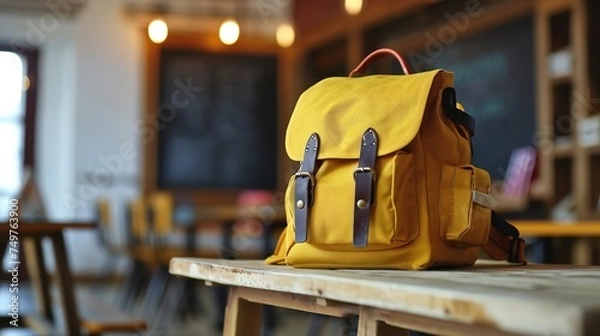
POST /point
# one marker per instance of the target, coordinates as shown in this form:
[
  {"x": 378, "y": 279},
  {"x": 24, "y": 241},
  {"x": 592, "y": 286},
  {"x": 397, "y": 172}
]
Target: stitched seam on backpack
[{"x": 452, "y": 199}]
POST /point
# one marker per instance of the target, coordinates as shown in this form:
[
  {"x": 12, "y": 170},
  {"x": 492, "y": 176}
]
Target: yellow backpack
[{"x": 385, "y": 179}]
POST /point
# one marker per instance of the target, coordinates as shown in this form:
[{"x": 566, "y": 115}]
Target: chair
[
  {"x": 163, "y": 228},
  {"x": 138, "y": 250},
  {"x": 104, "y": 228}
]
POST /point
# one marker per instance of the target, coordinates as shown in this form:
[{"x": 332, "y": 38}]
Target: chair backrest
[
  {"x": 161, "y": 213},
  {"x": 138, "y": 219},
  {"x": 104, "y": 220}
]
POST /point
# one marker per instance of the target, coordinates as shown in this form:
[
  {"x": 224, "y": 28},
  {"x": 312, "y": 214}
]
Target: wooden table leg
[
  {"x": 66, "y": 285},
  {"x": 39, "y": 275},
  {"x": 374, "y": 321},
  {"x": 369, "y": 325},
  {"x": 242, "y": 317}
]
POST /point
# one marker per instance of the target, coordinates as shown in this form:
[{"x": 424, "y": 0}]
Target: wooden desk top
[
  {"x": 42, "y": 228},
  {"x": 539, "y": 299},
  {"x": 224, "y": 213},
  {"x": 557, "y": 229}
]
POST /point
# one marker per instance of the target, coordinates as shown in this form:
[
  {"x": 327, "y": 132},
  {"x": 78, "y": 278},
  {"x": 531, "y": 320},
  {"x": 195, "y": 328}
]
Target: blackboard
[
  {"x": 495, "y": 81},
  {"x": 217, "y": 121}
]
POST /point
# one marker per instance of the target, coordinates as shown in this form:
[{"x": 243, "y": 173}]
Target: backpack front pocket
[
  {"x": 394, "y": 215},
  {"x": 465, "y": 205}
]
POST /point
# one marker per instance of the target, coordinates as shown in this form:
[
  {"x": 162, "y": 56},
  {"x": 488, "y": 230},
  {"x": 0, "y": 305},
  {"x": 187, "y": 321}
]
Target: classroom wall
[
  {"x": 89, "y": 106},
  {"x": 108, "y": 106}
]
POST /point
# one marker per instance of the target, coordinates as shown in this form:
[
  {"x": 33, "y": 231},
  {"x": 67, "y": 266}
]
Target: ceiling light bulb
[
  {"x": 353, "y": 7},
  {"x": 229, "y": 32},
  {"x": 285, "y": 35},
  {"x": 158, "y": 31}
]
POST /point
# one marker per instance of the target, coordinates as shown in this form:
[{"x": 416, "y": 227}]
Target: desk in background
[
  {"x": 91, "y": 316},
  {"x": 31, "y": 234},
  {"x": 582, "y": 232}
]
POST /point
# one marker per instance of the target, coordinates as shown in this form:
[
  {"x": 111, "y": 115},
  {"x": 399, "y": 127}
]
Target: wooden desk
[
  {"x": 558, "y": 229},
  {"x": 581, "y": 233},
  {"x": 490, "y": 298},
  {"x": 272, "y": 217},
  {"x": 224, "y": 213},
  {"x": 31, "y": 234}
]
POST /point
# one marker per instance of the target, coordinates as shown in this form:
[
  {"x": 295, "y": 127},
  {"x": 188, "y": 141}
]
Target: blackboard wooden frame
[
  {"x": 218, "y": 116},
  {"x": 206, "y": 42}
]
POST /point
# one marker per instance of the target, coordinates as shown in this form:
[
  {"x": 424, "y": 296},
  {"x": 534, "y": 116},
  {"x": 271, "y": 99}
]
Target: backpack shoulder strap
[{"x": 504, "y": 242}]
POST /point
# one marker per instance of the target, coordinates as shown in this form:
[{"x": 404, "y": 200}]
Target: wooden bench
[{"x": 490, "y": 298}]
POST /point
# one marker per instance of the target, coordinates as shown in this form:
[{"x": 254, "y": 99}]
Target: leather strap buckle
[
  {"x": 364, "y": 180},
  {"x": 304, "y": 184},
  {"x": 364, "y": 170},
  {"x": 302, "y": 174}
]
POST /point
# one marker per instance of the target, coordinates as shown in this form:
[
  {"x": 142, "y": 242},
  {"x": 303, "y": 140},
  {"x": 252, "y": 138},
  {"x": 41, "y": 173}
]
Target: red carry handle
[{"x": 374, "y": 56}]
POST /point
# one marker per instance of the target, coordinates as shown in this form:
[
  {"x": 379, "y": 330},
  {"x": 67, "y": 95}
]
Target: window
[{"x": 13, "y": 84}]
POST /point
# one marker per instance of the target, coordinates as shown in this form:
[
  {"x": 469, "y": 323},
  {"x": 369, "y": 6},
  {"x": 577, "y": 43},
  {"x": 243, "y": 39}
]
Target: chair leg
[
  {"x": 169, "y": 302},
  {"x": 107, "y": 272},
  {"x": 190, "y": 302},
  {"x": 316, "y": 324},
  {"x": 132, "y": 285},
  {"x": 154, "y": 292}
]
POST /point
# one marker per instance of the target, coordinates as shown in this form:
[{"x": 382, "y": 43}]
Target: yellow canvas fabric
[{"x": 424, "y": 213}]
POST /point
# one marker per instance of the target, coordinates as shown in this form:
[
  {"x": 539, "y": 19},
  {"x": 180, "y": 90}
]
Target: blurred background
[{"x": 162, "y": 122}]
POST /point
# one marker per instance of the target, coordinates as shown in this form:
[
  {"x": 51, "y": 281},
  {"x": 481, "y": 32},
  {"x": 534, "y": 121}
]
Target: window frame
[{"x": 31, "y": 56}]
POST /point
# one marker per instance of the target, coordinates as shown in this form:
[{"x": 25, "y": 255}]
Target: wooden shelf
[
  {"x": 563, "y": 150},
  {"x": 511, "y": 204},
  {"x": 538, "y": 191},
  {"x": 594, "y": 150},
  {"x": 563, "y": 79}
]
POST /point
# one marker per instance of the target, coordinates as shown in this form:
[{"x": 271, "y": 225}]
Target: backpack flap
[{"x": 341, "y": 109}]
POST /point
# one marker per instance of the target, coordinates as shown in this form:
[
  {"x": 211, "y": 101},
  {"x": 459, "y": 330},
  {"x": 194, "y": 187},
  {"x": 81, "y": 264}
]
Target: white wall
[
  {"x": 55, "y": 134},
  {"x": 107, "y": 105},
  {"x": 88, "y": 107}
]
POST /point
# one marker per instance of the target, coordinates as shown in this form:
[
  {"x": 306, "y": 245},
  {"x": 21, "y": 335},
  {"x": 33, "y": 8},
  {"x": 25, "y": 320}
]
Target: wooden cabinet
[{"x": 568, "y": 168}]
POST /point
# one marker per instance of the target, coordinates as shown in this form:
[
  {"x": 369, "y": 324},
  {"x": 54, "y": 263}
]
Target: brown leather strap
[
  {"x": 504, "y": 242},
  {"x": 364, "y": 179},
  {"x": 303, "y": 187},
  {"x": 374, "y": 56}
]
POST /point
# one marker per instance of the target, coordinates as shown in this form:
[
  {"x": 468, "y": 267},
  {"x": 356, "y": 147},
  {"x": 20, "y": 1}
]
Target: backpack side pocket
[{"x": 465, "y": 205}]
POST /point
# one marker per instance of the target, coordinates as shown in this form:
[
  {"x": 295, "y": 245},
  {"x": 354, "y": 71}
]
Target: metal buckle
[
  {"x": 306, "y": 174},
  {"x": 364, "y": 170}
]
